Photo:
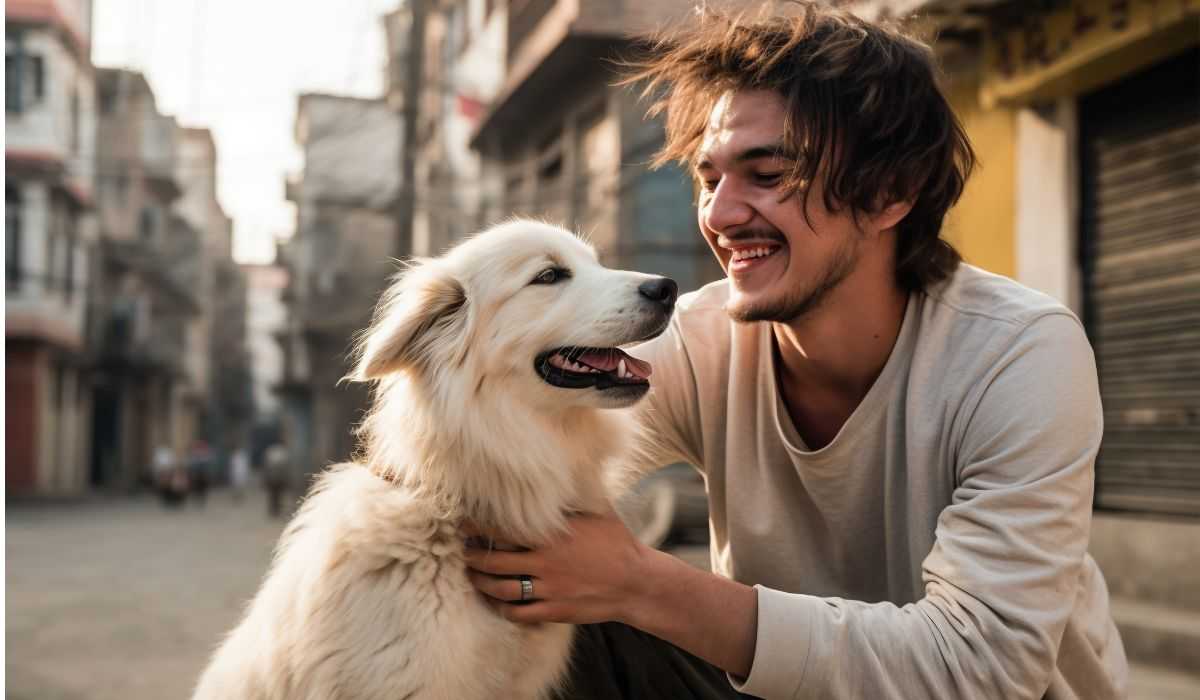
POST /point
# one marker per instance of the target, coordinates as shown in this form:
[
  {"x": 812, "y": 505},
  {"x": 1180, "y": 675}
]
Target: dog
[{"x": 496, "y": 372}]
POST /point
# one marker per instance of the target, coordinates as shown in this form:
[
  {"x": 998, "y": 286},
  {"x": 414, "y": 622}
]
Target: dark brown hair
[{"x": 864, "y": 110}]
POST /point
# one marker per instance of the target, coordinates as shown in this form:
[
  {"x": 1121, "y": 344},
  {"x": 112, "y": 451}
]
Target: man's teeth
[{"x": 748, "y": 253}]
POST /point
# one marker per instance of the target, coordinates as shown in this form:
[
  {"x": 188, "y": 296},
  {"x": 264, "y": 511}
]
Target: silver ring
[{"x": 526, "y": 588}]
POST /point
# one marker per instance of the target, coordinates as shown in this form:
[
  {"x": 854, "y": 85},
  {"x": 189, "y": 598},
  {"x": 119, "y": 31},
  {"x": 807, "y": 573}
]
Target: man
[{"x": 898, "y": 448}]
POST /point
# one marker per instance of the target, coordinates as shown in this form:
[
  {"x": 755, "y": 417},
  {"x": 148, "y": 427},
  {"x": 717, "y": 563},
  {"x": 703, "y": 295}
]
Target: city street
[{"x": 123, "y": 599}]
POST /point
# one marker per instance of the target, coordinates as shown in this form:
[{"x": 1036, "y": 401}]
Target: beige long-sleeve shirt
[{"x": 937, "y": 547}]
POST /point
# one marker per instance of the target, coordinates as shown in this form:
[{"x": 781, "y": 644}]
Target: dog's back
[{"x": 368, "y": 598}]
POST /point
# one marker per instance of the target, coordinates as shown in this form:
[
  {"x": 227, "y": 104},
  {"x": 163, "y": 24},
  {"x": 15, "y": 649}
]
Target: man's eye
[
  {"x": 551, "y": 275},
  {"x": 709, "y": 185},
  {"x": 768, "y": 179}
]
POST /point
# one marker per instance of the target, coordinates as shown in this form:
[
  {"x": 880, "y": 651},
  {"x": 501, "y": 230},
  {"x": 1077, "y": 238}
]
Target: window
[
  {"x": 37, "y": 75},
  {"x": 12, "y": 237},
  {"x": 54, "y": 239},
  {"x": 147, "y": 223},
  {"x": 75, "y": 125},
  {"x": 69, "y": 254},
  {"x": 108, "y": 99},
  {"x": 12, "y": 75},
  {"x": 24, "y": 76}
]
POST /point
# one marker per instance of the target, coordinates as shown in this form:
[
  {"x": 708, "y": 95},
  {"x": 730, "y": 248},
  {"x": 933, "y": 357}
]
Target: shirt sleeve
[
  {"x": 1001, "y": 579},
  {"x": 668, "y": 417}
]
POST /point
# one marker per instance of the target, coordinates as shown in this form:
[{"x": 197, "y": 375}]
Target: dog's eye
[{"x": 551, "y": 275}]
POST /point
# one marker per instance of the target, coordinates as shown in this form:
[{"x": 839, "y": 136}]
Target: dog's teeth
[{"x": 621, "y": 372}]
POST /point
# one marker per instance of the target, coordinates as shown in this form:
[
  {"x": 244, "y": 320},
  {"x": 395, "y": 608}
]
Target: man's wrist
[
  {"x": 708, "y": 615},
  {"x": 649, "y": 577}
]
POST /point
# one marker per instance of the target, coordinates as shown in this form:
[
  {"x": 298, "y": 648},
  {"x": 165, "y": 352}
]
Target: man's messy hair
[{"x": 863, "y": 106}]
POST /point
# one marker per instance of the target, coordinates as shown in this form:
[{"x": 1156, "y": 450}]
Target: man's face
[{"x": 780, "y": 265}]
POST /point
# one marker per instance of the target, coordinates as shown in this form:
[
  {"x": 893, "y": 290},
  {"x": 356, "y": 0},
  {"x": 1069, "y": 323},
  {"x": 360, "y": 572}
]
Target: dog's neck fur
[{"x": 509, "y": 469}]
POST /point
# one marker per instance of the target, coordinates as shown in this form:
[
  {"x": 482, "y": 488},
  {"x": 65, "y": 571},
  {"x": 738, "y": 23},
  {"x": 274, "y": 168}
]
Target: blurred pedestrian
[
  {"x": 239, "y": 473},
  {"x": 275, "y": 477},
  {"x": 199, "y": 470},
  {"x": 169, "y": 480}
]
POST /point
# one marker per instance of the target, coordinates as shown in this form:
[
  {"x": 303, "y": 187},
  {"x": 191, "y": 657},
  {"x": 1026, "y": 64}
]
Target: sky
[{"x": 236, "y": 67}]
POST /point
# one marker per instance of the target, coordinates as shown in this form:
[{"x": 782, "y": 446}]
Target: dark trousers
[{"x": 611, "y": 661}]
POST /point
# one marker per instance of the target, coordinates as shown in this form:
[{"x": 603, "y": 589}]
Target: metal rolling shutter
[{"x": 1140, "y": 143}]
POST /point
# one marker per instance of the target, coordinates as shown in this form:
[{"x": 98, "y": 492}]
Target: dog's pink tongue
[{"x": 606, "y": 361}]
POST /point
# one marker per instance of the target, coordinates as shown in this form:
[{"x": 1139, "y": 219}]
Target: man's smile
[{"x": 745, "y": 259}]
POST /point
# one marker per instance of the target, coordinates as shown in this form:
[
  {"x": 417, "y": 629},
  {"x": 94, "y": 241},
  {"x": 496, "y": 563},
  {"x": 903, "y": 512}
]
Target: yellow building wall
[{"x": 982, "y": 224}]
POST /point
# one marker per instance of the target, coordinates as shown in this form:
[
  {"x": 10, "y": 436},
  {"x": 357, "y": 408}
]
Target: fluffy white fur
[{"x": 367, "y": 596}]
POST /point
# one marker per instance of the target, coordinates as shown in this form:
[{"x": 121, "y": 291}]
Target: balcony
[
  {"x": 548, "y": 40},
  {"x": 523, "y": 18}
]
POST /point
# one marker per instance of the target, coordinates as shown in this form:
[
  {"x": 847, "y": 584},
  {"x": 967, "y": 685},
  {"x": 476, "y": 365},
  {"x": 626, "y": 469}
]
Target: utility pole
[{"x": 414, "y": 73}]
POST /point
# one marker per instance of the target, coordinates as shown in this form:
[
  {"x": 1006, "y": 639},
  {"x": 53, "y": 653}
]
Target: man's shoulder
[
  {"x": 975, "y": 323},
  {"x": 702, "y": 313},
  {"x": 710, "y": 297},
  {"x": 979, "y": 298}
]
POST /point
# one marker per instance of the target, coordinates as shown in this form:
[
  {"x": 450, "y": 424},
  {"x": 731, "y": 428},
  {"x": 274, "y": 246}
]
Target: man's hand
[
  {"x": 591, "y": 573},
  {"x": 598, "y": 572}
]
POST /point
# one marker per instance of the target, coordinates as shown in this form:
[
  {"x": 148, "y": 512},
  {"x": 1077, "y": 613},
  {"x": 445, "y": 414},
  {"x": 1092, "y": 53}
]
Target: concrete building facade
[
  {"x": 49, "y": 234},
  {"x": 337, "y": 263},
  {"x": 143, "y": 297},
  {"x": 583, "y": 161}
]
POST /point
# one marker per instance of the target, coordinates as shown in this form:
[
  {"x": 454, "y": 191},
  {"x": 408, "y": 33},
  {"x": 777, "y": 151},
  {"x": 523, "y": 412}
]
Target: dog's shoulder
[{"x": 360, "y": 515}]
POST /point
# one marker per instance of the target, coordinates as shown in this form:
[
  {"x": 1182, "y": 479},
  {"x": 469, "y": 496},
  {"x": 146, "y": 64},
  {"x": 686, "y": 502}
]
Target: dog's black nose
[{"x": 660, "y": 289}]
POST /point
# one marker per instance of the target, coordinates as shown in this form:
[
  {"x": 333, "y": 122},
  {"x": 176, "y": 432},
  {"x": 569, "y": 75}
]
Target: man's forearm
[{"x": 708, "y": 615}]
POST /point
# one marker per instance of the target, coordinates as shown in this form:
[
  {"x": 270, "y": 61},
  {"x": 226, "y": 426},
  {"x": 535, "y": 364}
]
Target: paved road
[{"x": 123, "y": 599}]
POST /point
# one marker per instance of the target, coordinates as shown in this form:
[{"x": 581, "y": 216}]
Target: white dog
[{"x": 493, "y": 365}]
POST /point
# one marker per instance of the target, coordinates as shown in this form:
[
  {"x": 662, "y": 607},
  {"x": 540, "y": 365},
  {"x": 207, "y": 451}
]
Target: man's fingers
[
  {"x": 503, "y": 588},
  {"x": 503, "y": 563},
  {"x": 539, "y": 611}
]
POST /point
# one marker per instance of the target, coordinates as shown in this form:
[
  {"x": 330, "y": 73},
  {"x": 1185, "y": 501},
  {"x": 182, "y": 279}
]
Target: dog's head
[{"x": 524, "y": 308}]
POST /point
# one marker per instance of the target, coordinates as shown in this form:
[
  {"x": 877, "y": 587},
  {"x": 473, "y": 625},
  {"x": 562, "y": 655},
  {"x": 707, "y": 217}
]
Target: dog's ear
[{"x": 419, "y": 312}]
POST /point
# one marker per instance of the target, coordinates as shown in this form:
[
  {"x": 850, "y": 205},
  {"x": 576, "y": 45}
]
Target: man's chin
[{"x": 748, "y": 308}]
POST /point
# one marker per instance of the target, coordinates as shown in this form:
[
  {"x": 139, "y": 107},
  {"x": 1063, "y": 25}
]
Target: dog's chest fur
[{"x": 369, "y": 598}]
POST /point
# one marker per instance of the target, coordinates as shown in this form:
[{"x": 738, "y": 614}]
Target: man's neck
[{"x": 839, "y": 350}]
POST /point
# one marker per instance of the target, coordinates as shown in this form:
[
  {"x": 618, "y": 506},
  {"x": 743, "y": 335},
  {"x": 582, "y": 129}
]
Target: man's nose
[
  {"x": 724, "y": 208},
  {"x": 661, "y": 290}
]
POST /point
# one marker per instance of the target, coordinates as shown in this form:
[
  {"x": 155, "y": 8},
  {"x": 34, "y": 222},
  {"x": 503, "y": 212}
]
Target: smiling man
[{"x": 898, "y": 448}]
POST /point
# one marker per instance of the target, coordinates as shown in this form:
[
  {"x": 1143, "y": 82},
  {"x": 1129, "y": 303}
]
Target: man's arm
[
  {"x": 1000, "y": 582},
  {"x": 1002, "y": 578}
]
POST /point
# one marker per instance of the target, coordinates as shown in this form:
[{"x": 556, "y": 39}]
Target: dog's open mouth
[{"x": 600, "y": 368}]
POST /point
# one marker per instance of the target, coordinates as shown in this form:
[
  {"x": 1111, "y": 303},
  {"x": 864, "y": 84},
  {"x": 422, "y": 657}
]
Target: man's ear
[
  {"x": 424, "y": 309},
  {"x": 890, "y": 215}
]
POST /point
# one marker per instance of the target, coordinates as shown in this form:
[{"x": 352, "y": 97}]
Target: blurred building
[
  {"x": 145, "y": 292},
  {"x": 49, "y": 154},
  {"x": 463, "y": 70},
  {"x": 266, "y": 316},
  {"x": 565, "y": 144},
  {"x": 337, "y": 263}
]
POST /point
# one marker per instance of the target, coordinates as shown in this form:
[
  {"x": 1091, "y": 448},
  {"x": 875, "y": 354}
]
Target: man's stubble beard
[{"x": 796, "y": 305}]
